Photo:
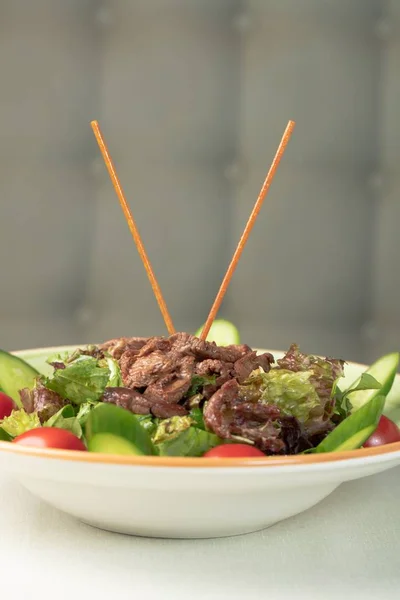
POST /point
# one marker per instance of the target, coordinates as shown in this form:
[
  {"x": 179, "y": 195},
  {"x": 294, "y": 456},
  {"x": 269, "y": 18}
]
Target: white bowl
[{"x": 188, "y": 497}]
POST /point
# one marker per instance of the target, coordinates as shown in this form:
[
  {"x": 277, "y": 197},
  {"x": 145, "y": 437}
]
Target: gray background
[{"x": 193, "y": 97}]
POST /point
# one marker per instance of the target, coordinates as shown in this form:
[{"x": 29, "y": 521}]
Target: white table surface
[{"x": 348, "y": 545}]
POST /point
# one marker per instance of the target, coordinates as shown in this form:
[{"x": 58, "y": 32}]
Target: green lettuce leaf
[
  {"x": 169, "y": 429},
  {"x": 148, "y": 422},
  {"x": 343, "y": 406},
  {"x": 301, "y": 386},
  {"x": 115, "y": 379},
  {"x": 293, "y": 393},
  {"x": 324, "y": 371},
  {"x": 19, "y": 421},
  {"x": 60, "y": 357},
  {"x": 4, "y": 436},
  {"x": 367, "y": 382},
  {"x": 81, "y": 381},
  {"x": 191, "y": 442},
  {"x": 84, "y": 411},
  {"x": 198, "y": 382},
  {"x": 70, "y": 357},
  {"x": 196, "y": 414},
  {"x": 66, "y": 419}
]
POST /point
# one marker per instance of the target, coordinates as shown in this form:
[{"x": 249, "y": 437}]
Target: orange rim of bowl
[{"x": 190, "y": 462}]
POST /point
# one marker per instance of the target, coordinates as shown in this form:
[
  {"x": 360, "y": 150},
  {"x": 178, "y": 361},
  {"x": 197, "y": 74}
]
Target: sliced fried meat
[
  {"x": 249, "y": 362},
  {"x": 118, "y": 346},
  {"x": 138, "y": 404},
  {"x": 161, "y": 372},
  {"x": 163, "y": 410},
  {"x": 128, "y": 399},
  {"x": 153, "y": 344},
  {"x": 227, "y": 416},
  {"x": 216, "y": 411},
  {"x": 173, "y": 386},
  {"x": 140, "y": 371},
  {"x": 202, "y": 350},
  {"x": 223, "y": 372},
  {"x": 41, "y": 400}
]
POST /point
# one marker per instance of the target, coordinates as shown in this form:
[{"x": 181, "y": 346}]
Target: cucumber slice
[
  {"x": 15, "y": 374},
  {"x": 118, "y": 422},
  {"x": 108, "y": 443},
  {"x": 384, "y": 371},
  {"x": 356, "y": 429},
  {"x": 223, "y": 333}
]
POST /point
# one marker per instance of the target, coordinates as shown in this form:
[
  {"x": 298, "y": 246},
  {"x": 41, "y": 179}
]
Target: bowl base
[{"x": 174, "y": 536}]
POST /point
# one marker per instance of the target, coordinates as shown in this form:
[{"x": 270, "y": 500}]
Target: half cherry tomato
[
  {"x": 233, "y": 451},
  {"x": 387, "y": 432},
  {"x": 50, "y": 437},
  {"x": 7, "y": 405}
]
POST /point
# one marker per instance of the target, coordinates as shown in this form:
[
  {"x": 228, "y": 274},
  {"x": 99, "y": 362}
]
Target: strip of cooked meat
[
  {"x": 118, "y": 346},
  {"x": 202, "y": 350},
  {"x": 135, "y": 402},
  {"x": 163, "y": 410},
  {"x": 173, "y": 386},
  {"x": 216, "y": 409},
  {"x": 41, "y": 400},
  {"x": 249, "y": 362},
  {"x": 153, "y": 344},
  {"x": 127, "y": 398},
  {"x": 140, "y": 371},
  {"x": 227, "y": 416},
  {"x": 223, "y": 372},
  {"x": 56, "y": 364}
]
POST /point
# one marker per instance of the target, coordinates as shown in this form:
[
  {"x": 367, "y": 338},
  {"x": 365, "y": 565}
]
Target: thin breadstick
[
  {"x": 249, "y": 226},
  {"x": 132, "y": 226}
]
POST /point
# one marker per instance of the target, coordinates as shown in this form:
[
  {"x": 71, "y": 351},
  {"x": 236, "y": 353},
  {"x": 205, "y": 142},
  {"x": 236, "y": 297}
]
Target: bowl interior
[{"x": 38, "y": 358}]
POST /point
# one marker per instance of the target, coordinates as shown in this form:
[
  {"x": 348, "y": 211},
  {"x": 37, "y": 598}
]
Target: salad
[{"x": 182, "y": 396}]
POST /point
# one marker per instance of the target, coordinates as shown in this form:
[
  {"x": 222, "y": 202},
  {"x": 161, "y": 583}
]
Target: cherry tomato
[
  {"x": 7, "y": 405},
  {"x": 50, "y": 437},
  {"x": 233, "y": 451},
  {"x": 386, "y": 433}
]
